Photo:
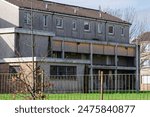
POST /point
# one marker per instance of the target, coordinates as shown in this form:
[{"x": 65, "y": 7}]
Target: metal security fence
[{"x": 75, "y": 87}]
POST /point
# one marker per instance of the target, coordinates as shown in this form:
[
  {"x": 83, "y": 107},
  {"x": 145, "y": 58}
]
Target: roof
[
  {"x": 66, "y": 9},
  {"x": 144, "y": 37}
]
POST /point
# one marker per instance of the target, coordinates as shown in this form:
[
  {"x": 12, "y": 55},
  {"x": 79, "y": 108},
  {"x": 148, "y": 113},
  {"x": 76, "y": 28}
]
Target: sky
[{"x": 142, "y": 7}]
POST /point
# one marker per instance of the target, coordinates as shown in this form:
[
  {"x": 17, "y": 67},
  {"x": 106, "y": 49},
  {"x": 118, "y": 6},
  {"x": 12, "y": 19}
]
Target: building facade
[
  {"x": 144, "y": 42},
  {"x": 69, "y": 40}
]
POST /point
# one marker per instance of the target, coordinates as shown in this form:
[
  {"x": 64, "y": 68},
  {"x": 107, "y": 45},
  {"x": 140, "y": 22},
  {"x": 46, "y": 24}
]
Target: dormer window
[
  {"x": 111, "y": 30},
  {"x": 86, "y": 26},
  {"x": 59, "y": 23}
]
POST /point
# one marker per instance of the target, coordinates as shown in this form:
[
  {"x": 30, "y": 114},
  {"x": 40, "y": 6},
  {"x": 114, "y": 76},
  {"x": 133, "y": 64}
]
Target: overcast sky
[{"x": 142, "y": 6}]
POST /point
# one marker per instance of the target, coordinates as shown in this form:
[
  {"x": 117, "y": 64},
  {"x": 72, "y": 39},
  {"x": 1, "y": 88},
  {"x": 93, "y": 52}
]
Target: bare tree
[
  {"x": 130, "y": 15},
  {"x": 137, "y": 29}
]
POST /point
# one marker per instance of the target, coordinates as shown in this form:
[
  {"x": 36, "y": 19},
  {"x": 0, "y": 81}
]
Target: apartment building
[
  {"x": 144, "y": 42},
  {"x": 68, "y": 40}
]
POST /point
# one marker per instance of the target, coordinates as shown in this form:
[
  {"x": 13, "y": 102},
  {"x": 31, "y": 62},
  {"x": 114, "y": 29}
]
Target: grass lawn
[{"x": 82, "y": 96}]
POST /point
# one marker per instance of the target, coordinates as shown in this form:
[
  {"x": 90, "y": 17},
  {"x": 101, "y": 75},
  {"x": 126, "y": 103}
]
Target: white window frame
[
  {"x": 27, "y": 18},
  {"x": 147, "y": 48},
  {"x": 145, "y": 79},
  {"x": 87, "y": 23},
  {"x": 111, "y": 33},
  {"x": 122, "y": 30},
  {"x": 45, "y": 20},
  {"x": 99, "y": 27},
  {"x": 146, "y": 63},
  {"x": 74, "y": 23},
  {"x": 59, "y": 22}
]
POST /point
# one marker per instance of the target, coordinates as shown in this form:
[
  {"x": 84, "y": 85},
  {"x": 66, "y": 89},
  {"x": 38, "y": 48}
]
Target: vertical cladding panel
[
  {"x": 67, "y": 26},
  {"x": 80, "y": 28},
  {"x": 100, "y": 36},
  {"x": 75, "y": 33},
  {"x": 57, "y": 45},
  {"x": 70, "y": 47},
  {"x": 122, "y": 51},
  {"x": 110, "y": 37},
  {"x": 59, "y": 31},
  {"x": 109, "y": 50},
  {"x": 84, "y": 48},
  {"x": 41, "y": 48},
  {"x": 37, "y": 20},
  {"x": 131, "y": 52},
  {"x": 25, "y": 45},
  {"x": 90, "y": 34},
  {"x": 98, "y": 49}
]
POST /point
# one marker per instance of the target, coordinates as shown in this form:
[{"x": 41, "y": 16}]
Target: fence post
[
  {"x": 100, "y": 76},
  {"x": 42, "y": 77}
]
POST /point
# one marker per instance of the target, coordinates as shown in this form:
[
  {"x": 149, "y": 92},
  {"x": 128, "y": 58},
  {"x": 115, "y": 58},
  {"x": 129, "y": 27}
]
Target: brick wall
[{"x": 4, "y": 68}]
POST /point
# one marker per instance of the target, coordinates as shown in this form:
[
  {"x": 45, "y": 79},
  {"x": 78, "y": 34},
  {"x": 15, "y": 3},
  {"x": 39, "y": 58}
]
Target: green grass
[{"x": 82, "y": 96}]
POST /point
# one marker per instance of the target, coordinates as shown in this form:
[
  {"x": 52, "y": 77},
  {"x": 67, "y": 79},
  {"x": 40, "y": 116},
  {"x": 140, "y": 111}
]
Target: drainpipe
[
  {"x": 105, "y": 32},
  {"x": 63, "y": 49},
  {"x": 137, "y": 67}
]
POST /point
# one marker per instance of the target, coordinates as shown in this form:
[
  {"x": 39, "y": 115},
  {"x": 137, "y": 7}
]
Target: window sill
[
  {"x": 86, "y": 30},
  {"x": 122, "y": 35},
  {"x": 74, "y": 29},
  {"x": 59, "y": 27},
  {"x": 111, "y": 34}
]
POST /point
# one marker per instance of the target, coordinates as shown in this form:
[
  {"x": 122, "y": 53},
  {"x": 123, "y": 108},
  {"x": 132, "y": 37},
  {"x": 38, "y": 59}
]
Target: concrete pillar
[
  {"x": 110, "y": 77},
  {"x": 63, "y": 49},
  {"x": 137, "y": 68},
  {"x": 50, "y": 50},
  {"x": 91, "y": 66},
  {"x": 116, "y": 65},
  {"x": 116, "y": 81}
]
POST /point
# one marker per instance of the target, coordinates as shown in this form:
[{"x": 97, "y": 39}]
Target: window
[
  {"x": 147, "y": 47},
  {"x": 99, "y": 28},
  {"x": 145, "y": 79},
  {"x": 14, "y": 69},
  {"x": 122, "y": 31},
  {"x": 59, "y": 23},
  {"x": 74, "y": 24},
  {"x": 62, "y": 70},
  {"x": 56, "y": 54},
  {"x": 111, "y": 30},
  {"x": 45, "y": 20},
  {"x": 86, "y": 26},
  {"x": 27, "y": 18},
  {"x": 146, "y": 63}
]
